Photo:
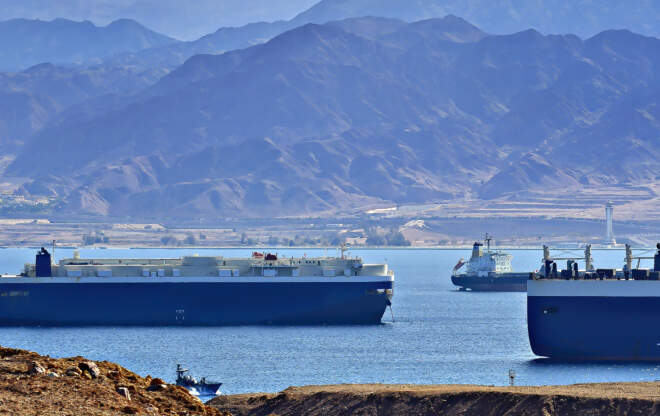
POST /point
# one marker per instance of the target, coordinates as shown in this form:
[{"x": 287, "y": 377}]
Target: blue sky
[{"x": 182, "y": 19}]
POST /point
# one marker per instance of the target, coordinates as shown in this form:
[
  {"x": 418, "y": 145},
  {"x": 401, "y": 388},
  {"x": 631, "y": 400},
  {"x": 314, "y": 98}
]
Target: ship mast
[
  {"x": 487, "y": 239},
  {"x": 588, "y": 261},
  {"x": 180, "y": 371},
  {"x": 343, "y": 248}
]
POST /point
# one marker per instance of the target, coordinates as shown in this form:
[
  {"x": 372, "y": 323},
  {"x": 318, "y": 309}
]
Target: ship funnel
[
  {"x": 477, "y": 250},
  {"x": 42, "y": 263}
]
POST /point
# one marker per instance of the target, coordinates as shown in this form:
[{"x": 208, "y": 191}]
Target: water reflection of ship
[{"x": 201, "y": 387}]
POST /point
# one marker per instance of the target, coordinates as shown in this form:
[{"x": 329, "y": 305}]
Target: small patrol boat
[{"x": 201, "y": 387}]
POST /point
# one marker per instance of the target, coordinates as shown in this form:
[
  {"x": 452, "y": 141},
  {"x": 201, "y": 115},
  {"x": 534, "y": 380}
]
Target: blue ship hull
[
  {"x": 190, "y": 303},
  {"x": 502, "y": 282},
  {"x": 210, "y": 389},
  {"x": 594, "y": 327}
]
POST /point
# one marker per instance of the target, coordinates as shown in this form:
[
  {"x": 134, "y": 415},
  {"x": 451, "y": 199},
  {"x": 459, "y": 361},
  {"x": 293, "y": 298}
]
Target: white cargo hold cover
[
  {"x": 236, "y": 272},
  {"x": 176, "y": 272},
  {"x": 270, "y": 272},
  {"x": 295, "y": 272},
  {"x": 224, "y": 273},
  {"x": 145, "y": 272},
  {"x": 74, "y": 273},
  {"x": 104, "y": 273},
  {"x": 329, "y": 272},
  {"x": 161, "y": 272}
]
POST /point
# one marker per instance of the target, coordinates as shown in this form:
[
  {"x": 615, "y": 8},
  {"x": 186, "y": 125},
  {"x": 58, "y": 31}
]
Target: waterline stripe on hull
[
  {"x": 506, "y": 282},
  {"x": 497, "y": 288},
  {"x": 195, "y": 279}
]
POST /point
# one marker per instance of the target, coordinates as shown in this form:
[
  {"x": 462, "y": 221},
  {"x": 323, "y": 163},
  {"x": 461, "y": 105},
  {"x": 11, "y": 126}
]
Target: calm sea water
[{"x": 439, "y": 335}]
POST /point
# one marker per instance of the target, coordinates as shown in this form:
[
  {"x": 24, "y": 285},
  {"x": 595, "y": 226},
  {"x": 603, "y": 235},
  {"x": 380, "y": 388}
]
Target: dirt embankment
[
  {"x": 371, "y": 400},
  {"x": 31, "y": 384}
]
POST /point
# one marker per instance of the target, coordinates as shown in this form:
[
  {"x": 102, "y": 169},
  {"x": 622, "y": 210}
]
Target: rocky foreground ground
[
  {"x": 381, "y": 400},
  {"x": 31, "y": 384}
]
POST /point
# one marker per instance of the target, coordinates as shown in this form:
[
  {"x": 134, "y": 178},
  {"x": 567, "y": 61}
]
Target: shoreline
[
  {"x": 421, "y": 233},
  {"x": 362, "y": 248},
  {"x": 35, "y": 384},
  {"x": 466, "y": 400}
]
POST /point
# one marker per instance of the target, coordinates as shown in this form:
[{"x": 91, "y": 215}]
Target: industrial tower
[{"x": 609, "y": 212}]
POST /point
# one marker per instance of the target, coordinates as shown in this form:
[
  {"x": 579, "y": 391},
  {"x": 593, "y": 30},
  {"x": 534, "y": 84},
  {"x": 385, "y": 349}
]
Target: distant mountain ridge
[
  {"x": 362, "y": 112},
  {"x": 32, "y": 99},
  {"x": 24, "y": 43},
  {"x": 223, "y": 40},
  {"x": 582, "y": 17},
  {"x": 126, "y": 43}
]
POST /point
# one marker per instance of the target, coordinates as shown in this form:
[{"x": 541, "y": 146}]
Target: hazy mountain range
[
  {"x": 31, "y": 99},
  {"x": 581, "y": 17},
  {"x": 344, "y": 115},
  {"x": 24, "y": 43},
  {"x": 184, "y": 20},
  {"x": 584, "y": 18}
]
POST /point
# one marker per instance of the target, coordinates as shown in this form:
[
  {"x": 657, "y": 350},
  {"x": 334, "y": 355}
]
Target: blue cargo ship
[
  {"x": 595, "y": 314},
  {"x": 194, "y": 290},
  {"x": 488, "y": 271}
]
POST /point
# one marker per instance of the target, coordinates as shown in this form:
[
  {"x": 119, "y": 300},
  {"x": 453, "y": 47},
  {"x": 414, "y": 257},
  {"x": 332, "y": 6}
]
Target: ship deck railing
[
  {"x": 594, "y": 275},
  {"x": 10, "y": 276},
  {"x": 120, "y": 262},
  {"x": 273, "y": 266}
]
